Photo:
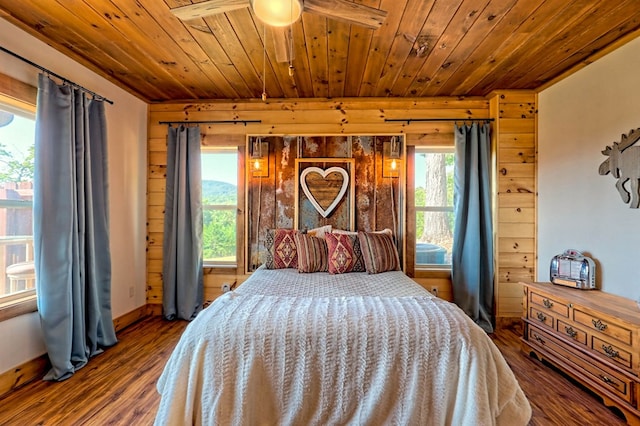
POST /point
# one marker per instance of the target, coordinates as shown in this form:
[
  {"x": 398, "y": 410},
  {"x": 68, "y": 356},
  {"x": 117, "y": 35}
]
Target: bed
[{"x": 290, "y": 348}]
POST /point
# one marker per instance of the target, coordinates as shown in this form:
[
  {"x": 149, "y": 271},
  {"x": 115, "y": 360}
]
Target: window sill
[
  {"x": 435, "y": 272},
  {"x": 219, "y": 265},
  {"x": 16, "y": 307},
  {"x": 220, "y": 268}
]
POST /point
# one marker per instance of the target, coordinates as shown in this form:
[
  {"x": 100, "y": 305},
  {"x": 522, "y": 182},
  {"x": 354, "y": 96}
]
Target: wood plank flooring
[{"x": 118, "y": 386}]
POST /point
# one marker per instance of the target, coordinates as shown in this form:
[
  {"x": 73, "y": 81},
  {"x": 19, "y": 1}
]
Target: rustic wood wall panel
[
  {"x": 376, "y": 203},
  {"x": 363, "y": 153},
  {"x": 516, "y": 230},
  {"x": 329, "y": 146},
  {"x": 514, "y": 132}
]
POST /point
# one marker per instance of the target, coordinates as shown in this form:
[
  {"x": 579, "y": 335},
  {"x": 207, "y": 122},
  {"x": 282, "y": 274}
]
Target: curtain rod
[
  {"x": 65, "y": 80},
  {"x": 211, "y": 122},
  {"x": 409, "y": 120}
]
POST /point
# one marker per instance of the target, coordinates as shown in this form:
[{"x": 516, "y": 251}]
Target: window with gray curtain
[
  {"x": 472, "y": 262},
  {"x": 182, "y": 275},
  {"x": 71, "y": 227}
]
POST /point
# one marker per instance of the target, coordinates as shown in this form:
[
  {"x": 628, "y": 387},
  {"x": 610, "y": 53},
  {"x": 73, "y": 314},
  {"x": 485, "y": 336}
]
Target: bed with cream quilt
[{"x": 287, "y": 348}]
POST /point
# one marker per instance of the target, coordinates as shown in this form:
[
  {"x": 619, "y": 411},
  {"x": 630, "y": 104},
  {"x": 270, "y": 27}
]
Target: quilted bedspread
[{"x": 317, "y": 349}]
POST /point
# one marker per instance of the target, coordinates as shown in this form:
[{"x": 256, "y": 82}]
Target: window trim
[
  {"x": 21, "y": 99},
  {"x": 18, "y": 304},
  {"x": 209, "y": 264}
]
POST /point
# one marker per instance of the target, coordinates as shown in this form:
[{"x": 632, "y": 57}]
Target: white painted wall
[
  {"x": 127, "y": 136},
  {"x": 577, "y": 207}
]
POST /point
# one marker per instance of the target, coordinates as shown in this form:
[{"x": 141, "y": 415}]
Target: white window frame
[
  {"x": 208, "y": 150},
  {"x": 23, "y": 302},
  {"x": 431, "y": 150}
]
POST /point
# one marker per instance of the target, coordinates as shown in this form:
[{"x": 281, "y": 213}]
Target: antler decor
[{"x": 624, "y": 165}]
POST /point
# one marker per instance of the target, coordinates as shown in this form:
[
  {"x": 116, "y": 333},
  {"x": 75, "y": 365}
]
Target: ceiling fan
[{"x": 281, "y": 14}]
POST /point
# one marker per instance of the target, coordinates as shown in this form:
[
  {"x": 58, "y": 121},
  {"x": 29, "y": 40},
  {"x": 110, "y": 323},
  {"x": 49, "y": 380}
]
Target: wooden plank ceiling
[{"x": 424, "y": 47}]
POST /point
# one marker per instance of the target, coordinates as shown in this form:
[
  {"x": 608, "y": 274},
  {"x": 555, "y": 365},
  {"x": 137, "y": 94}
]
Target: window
[
  {"x": 17, "y": 134},
  {"x": 220, "y": 205},
  {"x": 434, "y": 206}
]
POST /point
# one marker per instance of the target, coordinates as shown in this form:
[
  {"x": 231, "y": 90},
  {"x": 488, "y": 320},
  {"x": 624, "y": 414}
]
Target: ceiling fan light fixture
[{"x": 277, "y": 13}]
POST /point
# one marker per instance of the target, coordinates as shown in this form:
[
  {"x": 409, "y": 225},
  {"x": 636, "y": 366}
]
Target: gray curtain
[
  {"x": 183, "y": 289},
  {"x": 472, "y": 262},
  {"x": 71, "y": 227}
]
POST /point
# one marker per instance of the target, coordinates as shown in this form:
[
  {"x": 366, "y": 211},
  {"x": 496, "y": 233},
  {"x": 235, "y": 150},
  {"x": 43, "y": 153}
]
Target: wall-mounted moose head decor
[{"x": 624, "y": 165}]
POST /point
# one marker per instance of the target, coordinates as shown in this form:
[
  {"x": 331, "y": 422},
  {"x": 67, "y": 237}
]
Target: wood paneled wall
[
  {"x": 349, "y": 116},
  {"x": 515, "y": 139}
]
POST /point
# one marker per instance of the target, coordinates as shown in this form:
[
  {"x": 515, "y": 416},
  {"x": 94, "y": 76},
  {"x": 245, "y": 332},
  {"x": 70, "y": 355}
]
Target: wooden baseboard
[
  {"x": 154, "y": 309},
  {"x": 131, "y": 317},
  {"x": 37, "y": 367}
]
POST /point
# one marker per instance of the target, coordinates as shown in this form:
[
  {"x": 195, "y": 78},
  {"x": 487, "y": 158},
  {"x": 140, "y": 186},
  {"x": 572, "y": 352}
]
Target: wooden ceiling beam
[
  {"x": 346, "y": 11},
  {"x": 207, "y": 8}
]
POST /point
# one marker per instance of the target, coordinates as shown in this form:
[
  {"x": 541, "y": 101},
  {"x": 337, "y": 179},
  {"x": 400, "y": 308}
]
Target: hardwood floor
[
  {"x": 118, "y": 386},
  {"x": 555, "y": 398}
]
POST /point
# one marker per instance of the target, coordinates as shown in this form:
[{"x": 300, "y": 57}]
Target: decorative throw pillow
[
  {"x": 379, "y": 252},
  {"x": 344, "y": 253},
  {"x": 281, "y": 249},
  {"x": 312, "y": 253}
]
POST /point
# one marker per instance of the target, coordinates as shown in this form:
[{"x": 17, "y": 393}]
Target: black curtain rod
[
  {"x": 211, "y": 122},
  {"x": 409, "y": 120},
  {"x": 65, "y": 80}
]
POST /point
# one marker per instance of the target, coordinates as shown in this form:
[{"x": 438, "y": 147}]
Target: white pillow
[
  {"x": 318, "y": 232},
  {"x": 342, "y": 231}
]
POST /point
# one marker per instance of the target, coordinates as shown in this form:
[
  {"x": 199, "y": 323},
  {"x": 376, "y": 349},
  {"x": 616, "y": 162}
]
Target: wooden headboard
[{"x": 374, "y": 198}]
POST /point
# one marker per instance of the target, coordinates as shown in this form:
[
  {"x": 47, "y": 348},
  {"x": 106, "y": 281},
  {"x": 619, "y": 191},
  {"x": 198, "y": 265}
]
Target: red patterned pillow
[
  {"x": 281, "y": 249},
  {"x": 344, "y": 253},
  {"x": 379, "y": 252},
  {"x": 312, "y": 253}
]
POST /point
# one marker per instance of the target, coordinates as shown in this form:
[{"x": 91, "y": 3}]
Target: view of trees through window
[
  {"x": 220, "y": 202},
  {"x": 434, "y": 206},
  {"x": 17, "y": 134}
]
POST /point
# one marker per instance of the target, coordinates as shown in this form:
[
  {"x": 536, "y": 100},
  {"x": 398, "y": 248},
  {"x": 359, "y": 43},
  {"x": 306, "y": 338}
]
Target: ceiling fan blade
[
  {"x": 209, "y": 7},
  {"x": 346, "y": 11},
  {"x": 282, "y": 43}
]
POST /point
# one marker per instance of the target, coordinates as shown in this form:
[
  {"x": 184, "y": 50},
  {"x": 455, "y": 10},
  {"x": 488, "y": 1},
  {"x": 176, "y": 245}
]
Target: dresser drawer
[
  {"x": 540, "y": 317},
  {"x": 549, "y": 304},
  {"x": 572, "y": 332},
  {"x": 612, "y": 352},
  {"x": 591, "y": 370},
  {"x": 602, "y": 325}
]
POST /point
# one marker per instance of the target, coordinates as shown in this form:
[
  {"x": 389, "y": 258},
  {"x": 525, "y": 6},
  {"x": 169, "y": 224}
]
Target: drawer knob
[
  {"x": 538, "y": 338},
  {"x": 542, "y": 317},
  {"x": 610, "y": 352},
  {"x": 570, "y": 332},
  {"x": 608, "y": 381},
  {"x": 599, "y": 324},
  {"x": 547, "y": 303}
]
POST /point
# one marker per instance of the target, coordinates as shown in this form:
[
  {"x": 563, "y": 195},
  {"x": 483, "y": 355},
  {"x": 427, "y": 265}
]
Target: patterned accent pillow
[
  {"x": 344, "y": 253},
  {"x": 312, "y": 253},
  {"x": 281, "y": 249},
  {"x": 379, "y": 252}
]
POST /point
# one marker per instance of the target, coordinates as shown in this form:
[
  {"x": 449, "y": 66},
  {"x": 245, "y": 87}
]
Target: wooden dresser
[{"x": 591, "y": 335}]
